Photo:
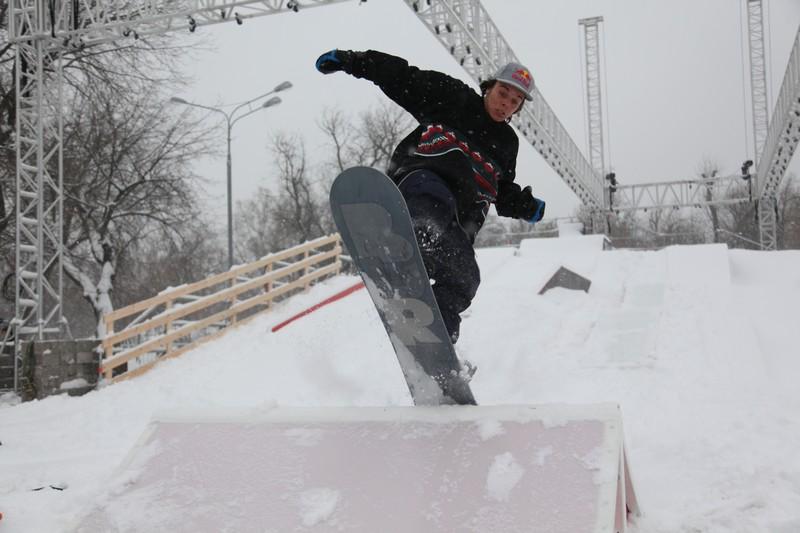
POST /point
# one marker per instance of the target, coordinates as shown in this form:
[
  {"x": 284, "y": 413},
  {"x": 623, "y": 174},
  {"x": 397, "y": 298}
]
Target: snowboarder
[{"x": 459, "y": 160}]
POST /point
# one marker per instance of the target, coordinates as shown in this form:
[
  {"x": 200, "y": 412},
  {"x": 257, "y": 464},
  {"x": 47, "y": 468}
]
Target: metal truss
[
  {"x": 594, "y": 100},
  {"x": 80, "y": 23},
  {"x": 39, "y": 215},
  {"x": 725, "y": 190},
  {"x": 768, "y": 223},
  {"x": 758, "y": 76},
  {"x": 465, "y": 29},
  {"x": 42, "y": 32},
  {"x": 39, "y": 200},
  {"x": 780, "y": 145}
]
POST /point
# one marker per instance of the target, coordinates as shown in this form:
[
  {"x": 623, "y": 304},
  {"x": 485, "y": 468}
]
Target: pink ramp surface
[{"x": 418, "y": 469}]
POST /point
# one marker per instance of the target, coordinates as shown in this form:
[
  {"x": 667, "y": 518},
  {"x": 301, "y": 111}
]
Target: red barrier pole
[{"x": 335, "y": 297}]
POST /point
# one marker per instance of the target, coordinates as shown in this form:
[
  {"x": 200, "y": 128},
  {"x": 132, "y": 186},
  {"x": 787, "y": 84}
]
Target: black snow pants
[{"x": 446, "y": 248}]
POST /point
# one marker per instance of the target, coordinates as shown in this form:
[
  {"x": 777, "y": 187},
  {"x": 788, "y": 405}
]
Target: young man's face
[{"x": 502, "y": 101}]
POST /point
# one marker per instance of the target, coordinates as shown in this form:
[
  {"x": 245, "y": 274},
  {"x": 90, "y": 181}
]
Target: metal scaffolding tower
[
  {"x": 594, "y": 96},
  {"x": 758, "y": 75},
  {"x": 39, "y": 222},
  {"x": 782, "y": 138}
]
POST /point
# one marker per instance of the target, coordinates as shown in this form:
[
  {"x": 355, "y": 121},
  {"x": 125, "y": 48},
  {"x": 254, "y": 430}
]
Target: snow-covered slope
[{"x": 697, "y": 344}]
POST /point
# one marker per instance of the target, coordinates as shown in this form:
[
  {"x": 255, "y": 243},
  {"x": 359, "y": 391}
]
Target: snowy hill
[{"x": 698, "y": 345}]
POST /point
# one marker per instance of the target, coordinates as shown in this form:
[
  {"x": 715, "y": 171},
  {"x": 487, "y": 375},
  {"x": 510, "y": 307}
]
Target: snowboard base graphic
[{"x": 375, "y": 226}]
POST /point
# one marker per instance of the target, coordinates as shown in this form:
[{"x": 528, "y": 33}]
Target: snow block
[
  {"x": 567, "y": 244},
  {"x": 567, "y": 279},
  {"x": 700, "y": 265},
  {"x": 460, "y": 468}
]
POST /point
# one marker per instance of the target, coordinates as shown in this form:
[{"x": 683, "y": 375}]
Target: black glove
[
  {"x": 334, "y": 60},
  {"x": 533, "y": 204},
  {"x": 518, "y": 203}
]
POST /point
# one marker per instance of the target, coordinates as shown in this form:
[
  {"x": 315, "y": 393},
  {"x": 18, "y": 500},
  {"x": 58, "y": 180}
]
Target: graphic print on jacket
[{"x": 438, "y": 139}]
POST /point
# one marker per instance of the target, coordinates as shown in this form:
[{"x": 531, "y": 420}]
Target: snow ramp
[
  {"x": 552, "y": 468},
  {"x": 702, "y": 265}
]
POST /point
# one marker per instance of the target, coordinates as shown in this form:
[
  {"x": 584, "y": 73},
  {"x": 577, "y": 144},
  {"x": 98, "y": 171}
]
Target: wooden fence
[{"x": 177, "y": 320}]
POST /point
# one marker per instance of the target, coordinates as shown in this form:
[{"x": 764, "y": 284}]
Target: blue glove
[
  {"x": 333, "y": 60},
  {"x": 537, "y": 205},
  {"x": 518, "y": 203}
]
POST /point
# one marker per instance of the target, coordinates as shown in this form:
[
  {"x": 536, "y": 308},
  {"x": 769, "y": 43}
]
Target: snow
[
  {"x": 74, "y": 384},
  {"x": 698, "y": 345},
  {"x": 504, "y": 474},
  {"x": 317, "y": 505},
  {"x": 490, "y": 428}
]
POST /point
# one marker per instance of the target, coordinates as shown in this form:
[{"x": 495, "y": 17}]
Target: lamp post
[{"x": 230, "y": 120}]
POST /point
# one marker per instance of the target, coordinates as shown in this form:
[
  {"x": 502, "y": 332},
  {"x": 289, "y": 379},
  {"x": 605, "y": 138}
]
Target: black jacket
[{"x": 456, "y": 137}]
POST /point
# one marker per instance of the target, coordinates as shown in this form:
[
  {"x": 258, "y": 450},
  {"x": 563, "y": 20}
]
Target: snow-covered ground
[{"x": 697, "y": 344}]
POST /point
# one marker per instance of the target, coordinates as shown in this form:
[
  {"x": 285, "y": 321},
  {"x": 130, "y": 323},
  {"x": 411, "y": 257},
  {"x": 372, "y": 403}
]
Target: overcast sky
[{"x": 677, "y": 86}]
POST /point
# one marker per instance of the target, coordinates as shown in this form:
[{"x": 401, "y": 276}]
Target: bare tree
[
  {"x": 257, "y": 235},
  {"x": 738, "y": 223},
  {"x": 789, "y": 213},
  {"x": 295, "y": 213},
  {"x": 167, "y": 258},
  {"x": 791, "y": 221},
  {"x": 493, "y": 233},
  {"x": 127, "y": 176},
  {"x": 299, "y": 211},
  {"x": 709, "y": 170},
  {"x": 368, "y": 141}
]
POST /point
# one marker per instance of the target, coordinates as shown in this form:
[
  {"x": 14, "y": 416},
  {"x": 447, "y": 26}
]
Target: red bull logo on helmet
[
  {"x": 522, "y": 76},
  {"x": 517, "y": 75}
]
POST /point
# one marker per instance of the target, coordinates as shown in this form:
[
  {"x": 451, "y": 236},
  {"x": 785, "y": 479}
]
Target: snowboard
[{"x": 376, "y": 228}]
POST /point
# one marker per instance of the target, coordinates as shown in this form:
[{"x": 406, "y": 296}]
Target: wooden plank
[
  {"x": 161, "y": 341},
  {"x": 167, "y": 317},
  {"x": 175, "y": 353},
  {"x": 220, "y": 278}
]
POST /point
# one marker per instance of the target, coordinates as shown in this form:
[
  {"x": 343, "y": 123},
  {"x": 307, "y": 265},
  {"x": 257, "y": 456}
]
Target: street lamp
[{"x": 231, "y": 119}]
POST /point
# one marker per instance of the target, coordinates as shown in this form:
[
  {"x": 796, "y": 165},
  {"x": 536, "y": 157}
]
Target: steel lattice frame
[
  {"x": 780, "y": 145},
  {"x": 39, "y": 216},
  {"x": 82, "y": 23},
  {"x": 594, "y": 96},
  {"x": 758, "y": 76},
  {"x": 39, "y": 205},
  {"x": 723, "y": 190}
]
